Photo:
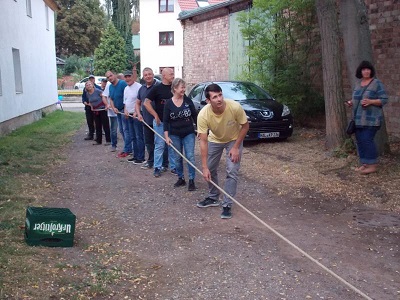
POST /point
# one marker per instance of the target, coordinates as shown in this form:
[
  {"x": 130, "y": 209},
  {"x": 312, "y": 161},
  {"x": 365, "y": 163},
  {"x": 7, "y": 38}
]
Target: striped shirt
[{"x": 371, "y": 115}]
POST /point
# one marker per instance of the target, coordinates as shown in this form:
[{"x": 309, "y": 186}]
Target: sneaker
[
  {"x": 173, "y": 171},
  {"x": 131, "y": 159},
  {"x": 157, "y": 172},
  {"x": 208, "y": 202},
  {"x": 180, "y": 182},
  {"x": 88, "y": 138},
  {"x": 164, "y": 169},
  {"x": 107, "y": 144},
  {"x": 226, "y": 213},
  {"x": 146, "y": 166},
  {"x": 138, "y": 161},
  {"x": 113, "y": 149},
  {"x": 96, "y": 143},
  {"x": 122, "y": 154},
  {"x": 191, "y": 186}
]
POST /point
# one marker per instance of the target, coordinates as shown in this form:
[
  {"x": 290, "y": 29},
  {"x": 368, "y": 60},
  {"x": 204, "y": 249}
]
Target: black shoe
[
  {"x": 96, "y": 143},
  {"x": 208, "y": 202},
  {"x": 180, "y": 182},
  {"x": 191, "y": 186},
  {"x": 146, "y": 166},
  {"x": 88, "y": 138},
  {"x": 226, "y": 213},
  {"x": 138, "y": 161},
  {"x": 157, "y": 172},
  {"x": 173, "y": 171}
]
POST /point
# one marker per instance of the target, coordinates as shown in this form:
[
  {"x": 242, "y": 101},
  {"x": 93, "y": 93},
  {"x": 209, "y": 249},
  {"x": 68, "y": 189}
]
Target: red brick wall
[
  {"x": 205, "y": 50},
  {"x": 384, "y": 20}
]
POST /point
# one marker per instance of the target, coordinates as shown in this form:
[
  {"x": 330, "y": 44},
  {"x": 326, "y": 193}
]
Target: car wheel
[{"x": 76, "y": 88}]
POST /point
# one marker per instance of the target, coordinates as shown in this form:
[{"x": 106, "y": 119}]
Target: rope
[{"x": 349, "y": 285}]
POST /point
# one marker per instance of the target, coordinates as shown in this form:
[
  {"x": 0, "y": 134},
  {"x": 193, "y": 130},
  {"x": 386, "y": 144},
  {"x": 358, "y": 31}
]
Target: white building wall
[
  {"x": 151, "y": 23},
  {"x": 36, "y": 47}
]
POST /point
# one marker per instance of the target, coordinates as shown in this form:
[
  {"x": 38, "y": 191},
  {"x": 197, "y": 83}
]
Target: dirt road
[{"x": 137, "y": 237}]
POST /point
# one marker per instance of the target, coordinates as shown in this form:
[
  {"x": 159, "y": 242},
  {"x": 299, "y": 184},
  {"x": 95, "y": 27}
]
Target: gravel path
[{"x": 152, "y": 242}]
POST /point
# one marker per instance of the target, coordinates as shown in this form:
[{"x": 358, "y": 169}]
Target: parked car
[
  {"x": 81, "y": 84},
  {"x": 268, "y": 119}
]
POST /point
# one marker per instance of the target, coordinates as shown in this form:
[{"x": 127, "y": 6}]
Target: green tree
[
  {"x": 282, "y": 42},
  {"x": 110, "y": 54},
  {"x": 79, "y": 26},
  {"x": 122, "y": 20}
]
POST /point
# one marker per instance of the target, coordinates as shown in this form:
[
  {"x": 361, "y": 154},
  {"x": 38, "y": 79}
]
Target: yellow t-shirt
[{"x": 224, "y": 127}]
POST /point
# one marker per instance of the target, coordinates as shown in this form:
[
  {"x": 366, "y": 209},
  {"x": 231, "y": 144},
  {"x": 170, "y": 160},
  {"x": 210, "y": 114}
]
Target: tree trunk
[
  {"x": 358, "y": 47},
  {"x": 331, "y": 71}
]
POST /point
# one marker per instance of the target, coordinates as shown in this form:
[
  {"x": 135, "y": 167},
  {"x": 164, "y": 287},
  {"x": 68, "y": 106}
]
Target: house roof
[
  {"x": 192, "y": 4},
  {"x": 187, "y": 4},
  {"x": 52, "y": 4},
  {"x": 215, "y": 4}
]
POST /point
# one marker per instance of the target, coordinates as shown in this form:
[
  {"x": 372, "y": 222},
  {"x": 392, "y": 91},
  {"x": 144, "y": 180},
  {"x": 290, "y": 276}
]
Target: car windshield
[{"x": 243, "y": 90}]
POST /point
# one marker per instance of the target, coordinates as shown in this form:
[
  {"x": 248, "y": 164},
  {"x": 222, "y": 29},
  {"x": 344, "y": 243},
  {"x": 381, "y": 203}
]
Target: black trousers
[
  {"x": 149, "y": 142},
  {"x": 102, "y": 123},
  {"x": 89, "y": 120}
]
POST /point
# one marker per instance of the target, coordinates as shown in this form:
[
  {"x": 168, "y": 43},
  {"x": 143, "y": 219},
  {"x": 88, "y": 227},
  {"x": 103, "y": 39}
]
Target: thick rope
[{"x": 349, "y": 285}]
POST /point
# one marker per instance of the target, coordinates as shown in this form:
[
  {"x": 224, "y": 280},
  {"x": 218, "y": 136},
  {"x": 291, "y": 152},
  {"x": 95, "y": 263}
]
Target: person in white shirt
[
  {"x": 134, "y": 125},
  {"x": 112, "y": 116}
]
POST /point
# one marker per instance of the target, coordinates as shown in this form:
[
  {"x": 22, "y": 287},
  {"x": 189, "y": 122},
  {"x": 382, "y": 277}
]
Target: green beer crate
[{"x": 52, "y": 227}]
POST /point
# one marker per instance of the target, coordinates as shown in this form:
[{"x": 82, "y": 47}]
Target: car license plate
[{"x": 268, "y": 135}]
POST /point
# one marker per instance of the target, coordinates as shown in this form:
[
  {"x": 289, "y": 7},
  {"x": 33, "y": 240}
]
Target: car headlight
[{"x": 286, "y": 111}]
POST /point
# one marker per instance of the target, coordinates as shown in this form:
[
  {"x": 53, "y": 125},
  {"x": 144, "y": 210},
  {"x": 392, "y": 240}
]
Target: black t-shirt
[
  {"x": 159, "y": 95},
  {"x": 179, "y": 120}
]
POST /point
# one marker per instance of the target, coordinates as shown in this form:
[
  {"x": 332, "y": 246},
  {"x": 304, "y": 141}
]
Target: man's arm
[
  {"x": 204, "y": 155},
  {"x": 150, "y": 109},
  {"x": 234, "y": 153},
  {"x": 138, "y": 112}
]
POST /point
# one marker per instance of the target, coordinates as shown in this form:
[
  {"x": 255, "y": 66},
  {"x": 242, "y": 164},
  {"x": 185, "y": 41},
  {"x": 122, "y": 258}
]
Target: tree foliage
[
  {"x": 122, "y": 20},
  {"x": 282, "y": 43},
  {"x": 110, "y": 54},
  {"x": 78, "y": 27}
]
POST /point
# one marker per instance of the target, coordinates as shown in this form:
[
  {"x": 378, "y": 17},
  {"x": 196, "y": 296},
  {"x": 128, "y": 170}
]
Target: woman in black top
[{"x": 179, "y": 116}]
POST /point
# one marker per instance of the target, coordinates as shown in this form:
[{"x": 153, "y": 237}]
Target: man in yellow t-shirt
[{"x": 221, "y": 125}]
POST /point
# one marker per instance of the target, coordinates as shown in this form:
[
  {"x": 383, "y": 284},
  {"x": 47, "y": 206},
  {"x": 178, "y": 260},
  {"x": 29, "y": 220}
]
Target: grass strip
[{"x": 25, "y": 154}]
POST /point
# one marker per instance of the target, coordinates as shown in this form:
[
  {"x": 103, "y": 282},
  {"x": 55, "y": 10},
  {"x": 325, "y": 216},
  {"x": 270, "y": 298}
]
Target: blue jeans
[
  {"x": 159, "y": 146},
  {"x": 136, "y": 138},
  {"x": 365, "y": 144},
  {"x": 124, "y": 130},
  {"x": 113, "y": 130},
  {"x": 186, "y": 143},
  {"x": 215, "y": 151}
]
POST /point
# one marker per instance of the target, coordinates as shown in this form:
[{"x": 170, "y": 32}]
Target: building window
[
  {"x": 47, "y": 17},
  {"x": 17, "y": 70},
  {"x": 166, "y": 5},
  {"x": 166, "y": 38},
  {"x": 29, "y": 8}
]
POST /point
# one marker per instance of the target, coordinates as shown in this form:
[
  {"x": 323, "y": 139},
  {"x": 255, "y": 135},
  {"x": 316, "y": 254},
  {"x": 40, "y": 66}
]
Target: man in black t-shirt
[{"x": 158, "y": 96}]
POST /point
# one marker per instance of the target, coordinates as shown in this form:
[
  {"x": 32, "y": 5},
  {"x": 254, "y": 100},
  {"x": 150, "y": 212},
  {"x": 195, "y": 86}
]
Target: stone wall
[{"x": 384, "y": 19}]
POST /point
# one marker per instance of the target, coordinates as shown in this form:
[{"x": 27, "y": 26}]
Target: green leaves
[
  {"x": 78, "y": 28},
  {"x": 282, "y": 36},
  {"x": 110, "y": 54}
]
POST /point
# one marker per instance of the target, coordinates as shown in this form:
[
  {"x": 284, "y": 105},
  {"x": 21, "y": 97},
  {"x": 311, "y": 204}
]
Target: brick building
[{"x": 214, "y": 50}]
